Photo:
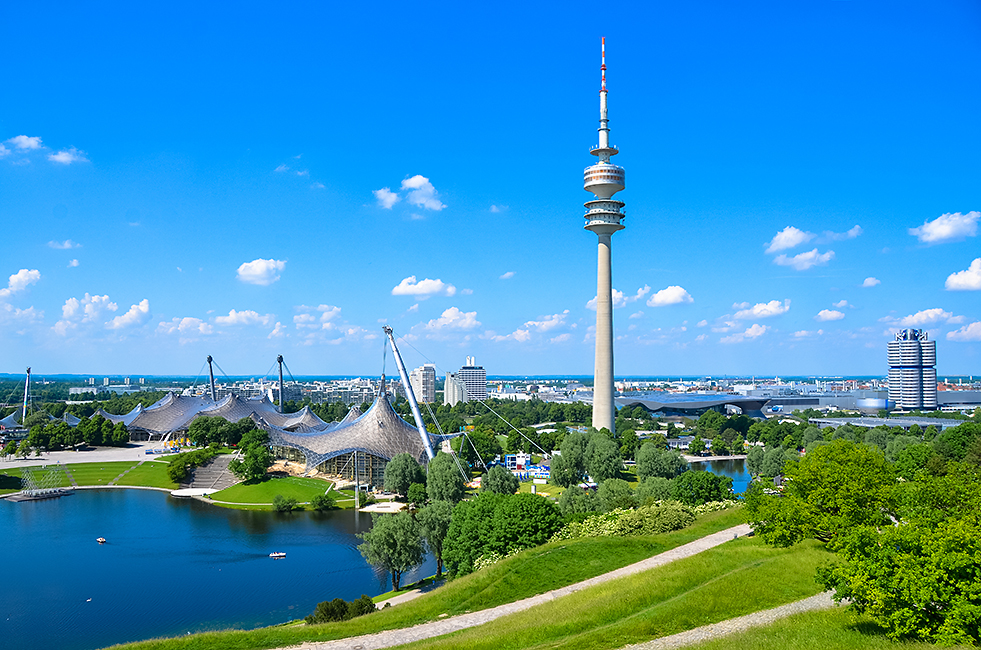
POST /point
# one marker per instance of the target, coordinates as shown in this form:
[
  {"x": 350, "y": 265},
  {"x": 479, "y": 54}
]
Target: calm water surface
[
  {"x": 170, "y": 566},
  {"x": 735, "y": 469}
]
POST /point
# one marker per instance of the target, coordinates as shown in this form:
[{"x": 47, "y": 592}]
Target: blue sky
[{"x": 246, "y": 179}]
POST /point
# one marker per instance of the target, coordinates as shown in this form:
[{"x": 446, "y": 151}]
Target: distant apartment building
[
  {"x": 912, "y": 371},
  {"x": 454, "y": 391},
  {"x": 474, "y": 379},
  {"x": 423, "y": 382}
]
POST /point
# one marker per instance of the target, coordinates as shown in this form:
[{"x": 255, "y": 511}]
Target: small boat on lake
[
  {"x": 101, "y": 540},
  {"x": 277, "y": 555}
]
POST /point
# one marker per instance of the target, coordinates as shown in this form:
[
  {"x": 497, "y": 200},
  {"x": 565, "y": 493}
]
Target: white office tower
[
  {"x": 423, "y": 381},
  {"x": 603, "y": 216},
  {"x": 454, "y": 391},
  {"x": 912, "y": 371},
  {"x": 474, "y": 379}
]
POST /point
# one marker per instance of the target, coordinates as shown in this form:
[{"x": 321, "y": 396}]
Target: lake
[
  {"x": 735, "y": 469},
  {"x": 170, "y": 566}
]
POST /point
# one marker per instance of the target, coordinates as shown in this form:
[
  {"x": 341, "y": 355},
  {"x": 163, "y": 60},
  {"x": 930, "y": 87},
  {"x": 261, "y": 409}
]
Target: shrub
[
  {"x": 340, "y": 610},
  {"x": 284, "y": 504},
  {"x": 323, "y": 502},
  {"x": 660, "y": 517}
]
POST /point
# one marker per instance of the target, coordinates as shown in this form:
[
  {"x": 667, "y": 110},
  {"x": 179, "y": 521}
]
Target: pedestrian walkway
[
  {"x": 115, "y": 481},
  {"x": 451, "y": 624},
  {"x": 71, "y": 479}
]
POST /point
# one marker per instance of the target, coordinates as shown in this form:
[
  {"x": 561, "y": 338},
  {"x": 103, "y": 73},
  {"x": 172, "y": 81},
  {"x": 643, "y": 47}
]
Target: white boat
[{"x": 277, "y": 555}]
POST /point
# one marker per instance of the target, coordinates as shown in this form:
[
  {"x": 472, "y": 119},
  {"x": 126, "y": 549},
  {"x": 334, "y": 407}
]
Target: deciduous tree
[{"x": 394, "y": 543}]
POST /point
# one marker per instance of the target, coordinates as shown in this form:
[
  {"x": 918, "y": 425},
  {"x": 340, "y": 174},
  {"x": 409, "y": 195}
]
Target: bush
[
  {"x": 576, "y": 501},
  {"x": 654, "y": 488},
  {"x": 284, "y": 504},
  {"x": 656, "y": 518},
  {"x": 417, "y": 493},
  {"x": 323, "y": 502},
  {"x": 180, "y": 467},
  {"x": 340, "y": 610}
]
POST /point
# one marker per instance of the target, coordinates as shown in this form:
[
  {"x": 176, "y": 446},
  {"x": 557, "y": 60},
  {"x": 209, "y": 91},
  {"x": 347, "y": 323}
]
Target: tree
[
  {"x": 831, "y": 490},
  {"x": 602, "y": 458},
  {"x": 773, "y": 462},
  {"x": 615, "y": 493},
  {"x": 323, "y": 502},
  {"x": 500, "y": 480},
  {"x": 256, "y": 459},
  {"x": 654, "y": 488},
  {"x": 754, "y": 460},
  {"x": 470, "y": 531},
  {"x": 696, "y": 446},
  {"x": 401, "y": 472},
  {"x": 576, "y": 501},
  {"x": 719, "y": 447},
  {"x": 435, "y": 520},
  {"x": 652, "y": 461},
  {"x": 284, "y": 504},
  {"x": 417, "y": 493},
  {"x": 696, "y": 488},
  {"x": 569, "y": 467},
  {"x": 394, "y": 544},
  {"x": 443, "y": 479},
  {"x": 522, "y": 521}
]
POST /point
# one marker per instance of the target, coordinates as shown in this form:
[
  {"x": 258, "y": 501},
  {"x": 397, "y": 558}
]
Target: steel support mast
[{"x": 410, "y": 395}]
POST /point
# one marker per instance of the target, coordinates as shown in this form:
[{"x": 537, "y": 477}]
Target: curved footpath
[{"x": 424, "y": 631}]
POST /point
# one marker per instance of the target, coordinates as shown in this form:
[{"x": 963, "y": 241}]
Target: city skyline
[{"x": 195, "y": 182}]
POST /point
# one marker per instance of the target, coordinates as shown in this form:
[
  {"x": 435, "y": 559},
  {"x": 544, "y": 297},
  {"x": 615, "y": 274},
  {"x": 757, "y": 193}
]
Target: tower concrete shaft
[{"x": 603, "y": 217}]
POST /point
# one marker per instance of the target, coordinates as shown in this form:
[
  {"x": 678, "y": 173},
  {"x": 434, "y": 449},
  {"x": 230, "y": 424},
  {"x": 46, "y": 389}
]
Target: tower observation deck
[{"x": 603, "y": 217}]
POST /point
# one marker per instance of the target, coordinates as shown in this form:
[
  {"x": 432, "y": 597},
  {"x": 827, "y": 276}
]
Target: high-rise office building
[
  {"x": 423, "y": 381},
  {"x": 474, "y": 379},
  {"x": 454, "y": 391},
  {"x": 912, "y": 370},
  {"x": 603, "y": 216}
]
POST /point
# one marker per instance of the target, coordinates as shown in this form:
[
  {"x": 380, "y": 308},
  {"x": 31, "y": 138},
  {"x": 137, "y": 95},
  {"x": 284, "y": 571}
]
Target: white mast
[{"x": 27, "y": 392}]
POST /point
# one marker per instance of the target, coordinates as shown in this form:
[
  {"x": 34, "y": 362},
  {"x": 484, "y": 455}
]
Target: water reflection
[{"x": 735, "y": 469}]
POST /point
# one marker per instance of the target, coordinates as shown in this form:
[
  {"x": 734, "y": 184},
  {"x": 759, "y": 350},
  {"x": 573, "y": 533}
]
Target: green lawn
[
  {"x": 9, "y": 482},
  {"x": 532, "y": 572},
  {"x": 734, "y": 579},
  {"x": 99, "y": 473},
  {"x": 150, "y": 474},
  {"x": 299, "y": 488},
  {"x": 836, "y": 629}
]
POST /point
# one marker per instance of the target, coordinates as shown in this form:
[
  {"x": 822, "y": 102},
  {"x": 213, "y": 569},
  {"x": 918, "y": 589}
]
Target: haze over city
[{"x": 802, "y": 181}]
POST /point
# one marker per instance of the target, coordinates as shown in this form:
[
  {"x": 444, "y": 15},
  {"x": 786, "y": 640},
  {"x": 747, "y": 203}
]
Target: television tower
[{"x": 603, "y": 216}]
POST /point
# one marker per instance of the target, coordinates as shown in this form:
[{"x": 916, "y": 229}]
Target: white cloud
[
  {"x": 4, "y": 151},
  {"x": 924, "y": 317},
  {"x": 304, "y": 172},
  {"x": 245, "y": 317},
  {"x": 701, "y": 323},
  {"x": 278, "y": 331},
  {"x": 637, "y": 314},
  {"x": 851, "y": 233},
  {"x": 137, "y": 315},
  {"x": 507, "y": 276},
  {"x": 454, "y": 319},
  {"x": 281, "y": 169},
  {"x": 619, "y": 299},
  {"x": 72, "y": 263},
  {"x": 789, "y": 237},
  {"x": 752, "y": 332},
  {"x": 947, "y": 227},
  {"x": 547, "y": 322},
  {"x": 20, "y": 281},
  {"x": 317, "y": 186},
  {"x": 466, "y": 292},
  {"x": 803, "y": 334},
  {"x": 64, "y": 245},
  {"x": 386, "y": 197},
  {"x": 967, "y": 333},
  {"x": 561, "y": 338},
  {"x": 804, "y": 261},
  {"x": 68, "y": 156},
  {"x": 672, "y": 295},
  {"x": 260, "y": 271},
  {"x": 840, "y": 304},
  {"x": 24, "y": 142},
  {"x": 870, "y": 282},
  {"x": 423, "y": 288},
  {"x": 413, "y": 309},
  {"x": 186, "y": 326},
  {"x": 422, "y": 193},
  {"x": 764, "y": 310},
  {"x": 305, "y": 320},
  {"x": 498, "y": 208},
  {"x": 967, "y": 280},
  {"x": 829, "y": 314}
]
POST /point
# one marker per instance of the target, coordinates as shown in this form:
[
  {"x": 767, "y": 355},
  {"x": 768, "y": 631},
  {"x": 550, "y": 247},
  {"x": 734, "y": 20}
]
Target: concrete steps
[{"x": 213, "y": 476}]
